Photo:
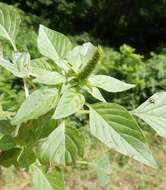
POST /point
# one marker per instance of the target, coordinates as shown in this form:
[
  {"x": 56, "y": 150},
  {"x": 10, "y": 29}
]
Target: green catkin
[{"x": 89, "y": 68}]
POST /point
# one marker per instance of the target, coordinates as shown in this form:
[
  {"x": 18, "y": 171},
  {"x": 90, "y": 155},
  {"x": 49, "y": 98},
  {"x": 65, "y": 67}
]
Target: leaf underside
[
  {"x": 38, "y": 103},
  {"x": 115, "y": 127},
  {"x": 153, "y": 112},
  {"x": 62, "y": 146}
]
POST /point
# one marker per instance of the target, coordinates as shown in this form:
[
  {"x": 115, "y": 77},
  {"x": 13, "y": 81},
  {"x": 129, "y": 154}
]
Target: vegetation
[
  {"x": 56, "y": 103},
  {"x": 138, "y": 23}
]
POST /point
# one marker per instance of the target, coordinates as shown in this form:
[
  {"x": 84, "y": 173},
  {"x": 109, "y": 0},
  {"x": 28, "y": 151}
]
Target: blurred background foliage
[{"x": 139, "y": 23}]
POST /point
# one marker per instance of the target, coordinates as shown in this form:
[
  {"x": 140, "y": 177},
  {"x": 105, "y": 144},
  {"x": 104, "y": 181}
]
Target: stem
[
  {"x": 13, "y": 45},
  {"x": 24, "y": 80},
  {"x": 26, "y": 88},
  {"x": 83, "y": 162}
]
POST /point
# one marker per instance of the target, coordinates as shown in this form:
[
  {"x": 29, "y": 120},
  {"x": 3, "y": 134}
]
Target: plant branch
[{"x": 26, "y": 88}]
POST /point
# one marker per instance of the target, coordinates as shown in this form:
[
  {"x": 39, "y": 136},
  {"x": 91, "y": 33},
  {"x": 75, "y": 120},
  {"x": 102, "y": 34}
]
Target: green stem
[
  {"x": 26, "y": 90},
  {"x": 83, "y": 162}
]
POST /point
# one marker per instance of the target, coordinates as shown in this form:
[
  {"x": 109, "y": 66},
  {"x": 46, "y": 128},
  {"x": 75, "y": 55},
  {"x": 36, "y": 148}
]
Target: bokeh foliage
[{"x": 138, "y": 23}]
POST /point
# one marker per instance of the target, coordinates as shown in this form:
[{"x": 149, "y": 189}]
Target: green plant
[
  {"x": 126, "y": 64},
  {"x": 113, "y": 22},
  {"x": 39, "y": 136}
]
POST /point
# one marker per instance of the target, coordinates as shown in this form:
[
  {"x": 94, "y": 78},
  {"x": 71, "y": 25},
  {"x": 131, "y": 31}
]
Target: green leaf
[
  {"x": 22, "y": 62},
  {"x": 39, "y": 66},
  {"x": 20, "y": 66},
  {"x": 52, "y": 181},
  {"x": 70, "y": 103},
  {"x": 95, "y": 92},
  {"x": 116, "y": 128},
  {"x": 81, "y": 55},
  {"x": 102, "y": 167},
  {"x": 109, "y": 84},
  {"x": 9, "y": 158},
  {"x": 153, "y": 112},
  {"x": 62, "y": 146},
  {"x": 26, "y": 158},
  {"x": 7, "y": 142},
  {"x": 34, "y": 130},
  {"x": 50, "y": 78},
  {"x": 53, "y": 45},
  {"x": 10, "y": 67},
  {"x": 9, "y": 23},
  {"x": 5, "y": 127},
  {"x": 38, "y": 103}
]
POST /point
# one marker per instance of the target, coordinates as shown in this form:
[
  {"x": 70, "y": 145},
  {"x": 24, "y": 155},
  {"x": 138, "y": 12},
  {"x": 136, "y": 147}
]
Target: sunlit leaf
[
  {"x": 11, "y": 67},
  {"x": 115, "y": 127},
  {"x": 9, "y": 23},
  {"x": 70, "y": 102},
  {"x": 153, "y": 112},
  {"x": 40, "y": 65},
  {"x": 53, "y": 45},
  {"x": 22, "y": 62},
  {"x": 109, "y": 84},
  {"x": 38, "y": 103},
  {"x": 50, "y": 78},
  {"x": 81, "y": 55},
  {"x": 51, "y": 181},
  {"x": 95, "y": 92},
  {"x": 62, "y": 146}
]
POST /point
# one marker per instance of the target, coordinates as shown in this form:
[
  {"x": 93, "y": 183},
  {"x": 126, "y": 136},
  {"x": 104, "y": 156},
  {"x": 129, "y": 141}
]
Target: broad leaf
[
  {"x": 53, "y": 45},
  {"x": 11, "y": 67},
  {"x": 50, "y": 78},
  {"x": 95, "y": 92},
  {"x": 153, "y": 112},
  {"x": 62, "y": 146},
  {"x": 81, "y": 55},
  {"x": 22, "y": 62},
  {"x": 9, "y": 23},
  {"x": 102, "y": 167},
  {"x": 70, "y": 102},
  {"x": 115, "y": 127},
  {"x": 26, "y": 158},
  {"x": 38, "y": 103},
  {"x": 32, "y": 131},
  {"x": 109, "y": 84},
  {"x": 20, "y": 66},
  {"x": 39, "y": 66},
  {"x": 7, "y": 142},
  {"x": 51, "y": 181}
]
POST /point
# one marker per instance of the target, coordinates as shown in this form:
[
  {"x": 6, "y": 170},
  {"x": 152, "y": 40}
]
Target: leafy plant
[
  {"x": 41, "y": 138},
  {"x": 148, "y": 74}
]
